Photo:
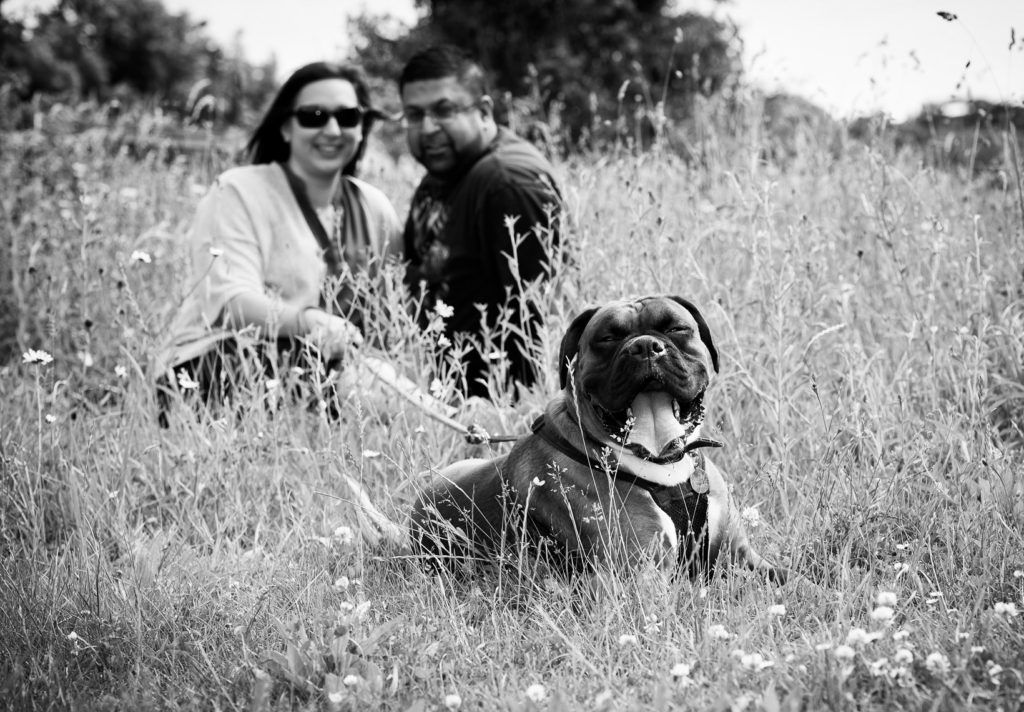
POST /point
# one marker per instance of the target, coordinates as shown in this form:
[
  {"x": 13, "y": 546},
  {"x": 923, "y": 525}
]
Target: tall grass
[{"x": 869, "y": 315}]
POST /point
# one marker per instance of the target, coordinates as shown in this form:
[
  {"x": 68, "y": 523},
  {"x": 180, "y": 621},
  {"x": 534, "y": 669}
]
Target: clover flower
[
  {"x": 903, "y": 656},
  {"x": 536, "y": 693},
  {"x": 844, "y": 652},
  {"x": 37, "y": 357},
  {"x": 883, "y": 614},
  {"x": 937, "y": 663},
  {"x": 777, "y": 610},
  {"x": 186, "y": 382},
  {"x": 751, "y": 517},
  {"x": 1006, "y": 608},
  {"x": 627, "y": 640},
  {"x": 140, "y": 256},
  {"x": 445, "y": 311},
  {"x": 452, "y": 701},
  {"x": 886, "y": 598},
  {"x": 718, "y": 632}
]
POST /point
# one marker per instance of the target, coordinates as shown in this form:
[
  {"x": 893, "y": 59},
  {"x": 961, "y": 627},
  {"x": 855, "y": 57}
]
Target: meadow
[{"x": 869, "y": 310}]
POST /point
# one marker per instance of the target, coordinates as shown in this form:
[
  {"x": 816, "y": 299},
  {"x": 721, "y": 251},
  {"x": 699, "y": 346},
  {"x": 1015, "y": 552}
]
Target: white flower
[
  {"x": 496, "y": 355},
  {"x": 680, "y": 670},
  {"x": 50, "y": 418},
  {"x": 538, "y": 482},
  {"x": 336, "y": 697},
  {"x": 34, "y": 356},
  {"x": 86, "y": 358},
  {"x": 900, "y": 568},
  {"x": 361, "y": 610},
  {"x": 350, "y": 680},
  {"x": 977, "y": 649},
  {"x": 443, "y": 341},
  {"x": 342, "y": 582},
  {"x": 1018, "y": 573},
  {"x": 1006, "y": 608},
  {"x": 755, "y": 662},
  {"x": 901, "y": 634},
  {"x": 185, "y": 381},
  {"x": 627, "y": 640},
  {"x": 751, "y": 517},
  {"x": 878, "y": 667},
  {"x": 452, "y": 701},
  {"x": 140, "y": 256},
  {"x": 216, "y": 252},
  {"x": 883, "y": 614},
  {"x": 370, "y": 454},
  {"x": 820, "y": 647},
  {"x": 128, "y": 193},
  {"x": 777, "y": 610},
  {"x": 718, "y": 632},
  {"x": 72, "y": 636},
  {"x": 120, "y": 371},
  {"x": 436, "y": 388},
  {"x": 272, "y": 384},
  {"x": 858, "y": 636},
  {"x": 903, "y": 657},
  {"x": 536, "y": 693},
  {"x": 937, "y": 663},
  {"x": 844, "y": 652},
  {"x": 344, "y": 534},
  {"x": 886, "y": 598},
  {"x": 445, "y": 311},
  {"x": 994, "y": 671}
]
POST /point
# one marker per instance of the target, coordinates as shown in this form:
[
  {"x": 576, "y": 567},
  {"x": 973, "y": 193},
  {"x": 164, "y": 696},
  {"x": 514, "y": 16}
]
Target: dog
[{"x": 614, "y": 471}]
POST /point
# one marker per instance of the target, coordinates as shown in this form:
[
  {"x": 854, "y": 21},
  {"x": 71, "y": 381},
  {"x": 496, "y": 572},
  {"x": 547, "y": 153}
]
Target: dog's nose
[{"x": 646, "y": 347}]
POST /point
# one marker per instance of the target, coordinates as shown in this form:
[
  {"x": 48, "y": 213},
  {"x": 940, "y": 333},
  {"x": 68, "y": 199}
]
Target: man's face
[{"x": 444, "y": 123}]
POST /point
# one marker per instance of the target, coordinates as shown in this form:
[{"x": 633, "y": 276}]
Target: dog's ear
[
  {"x": 571, "y": 344},
  {"x": 702, "y": 328}
]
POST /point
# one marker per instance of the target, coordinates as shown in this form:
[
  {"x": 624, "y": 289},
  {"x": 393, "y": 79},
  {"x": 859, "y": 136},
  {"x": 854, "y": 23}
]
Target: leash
[{"x": 428, "y": 404}]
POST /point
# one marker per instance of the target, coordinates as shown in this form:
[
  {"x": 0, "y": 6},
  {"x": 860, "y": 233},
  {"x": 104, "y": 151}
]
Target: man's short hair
[{"x": 444, "y": 60}]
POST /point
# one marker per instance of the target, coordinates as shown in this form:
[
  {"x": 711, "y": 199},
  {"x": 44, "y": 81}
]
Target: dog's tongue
[{"x": 654, "y": 424}]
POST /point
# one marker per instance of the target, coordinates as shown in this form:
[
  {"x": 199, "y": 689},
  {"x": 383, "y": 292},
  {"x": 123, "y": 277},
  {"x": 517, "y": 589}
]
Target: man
[{"x": 458, "y": 239}]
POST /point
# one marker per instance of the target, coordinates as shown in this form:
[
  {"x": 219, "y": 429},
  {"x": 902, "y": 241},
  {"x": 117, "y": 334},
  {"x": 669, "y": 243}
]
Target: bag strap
[{"x": 331, "y": 251}]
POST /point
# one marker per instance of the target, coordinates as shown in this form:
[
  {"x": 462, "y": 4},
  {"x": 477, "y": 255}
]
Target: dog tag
[{"x": 699, "y": 478}]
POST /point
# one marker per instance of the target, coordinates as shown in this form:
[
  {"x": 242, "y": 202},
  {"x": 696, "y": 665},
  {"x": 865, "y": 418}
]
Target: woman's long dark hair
[{"x": 268, "y": 146}]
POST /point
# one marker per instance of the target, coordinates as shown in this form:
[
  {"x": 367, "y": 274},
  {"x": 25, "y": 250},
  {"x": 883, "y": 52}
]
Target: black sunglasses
[{"x": 315, "y": 116}]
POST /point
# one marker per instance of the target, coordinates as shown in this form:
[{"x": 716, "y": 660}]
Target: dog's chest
[{"x": 686, "y": 504}]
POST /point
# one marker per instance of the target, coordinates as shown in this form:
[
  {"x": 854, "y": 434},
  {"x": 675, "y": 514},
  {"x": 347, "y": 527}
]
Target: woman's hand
[{"x": 332, "y": 335}]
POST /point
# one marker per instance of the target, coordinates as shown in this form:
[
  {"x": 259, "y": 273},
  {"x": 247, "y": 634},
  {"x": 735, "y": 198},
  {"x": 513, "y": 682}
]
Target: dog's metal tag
[{"x": 699, "y": 477}]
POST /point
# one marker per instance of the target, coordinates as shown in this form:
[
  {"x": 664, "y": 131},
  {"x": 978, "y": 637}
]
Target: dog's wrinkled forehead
[
  {"x": 633, "y": 313},
  {"x": 637, "y": 316}
]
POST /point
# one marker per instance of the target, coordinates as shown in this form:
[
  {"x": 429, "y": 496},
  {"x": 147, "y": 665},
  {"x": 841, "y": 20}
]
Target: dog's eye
[{"x": 678, "y": 329}]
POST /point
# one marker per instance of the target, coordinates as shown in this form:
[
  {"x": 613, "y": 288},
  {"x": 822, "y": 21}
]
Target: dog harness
[{"x": 686, "y": 504}]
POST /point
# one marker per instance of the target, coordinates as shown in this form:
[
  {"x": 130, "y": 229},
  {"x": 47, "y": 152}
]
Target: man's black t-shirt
[{"x": 458, "y": 244}]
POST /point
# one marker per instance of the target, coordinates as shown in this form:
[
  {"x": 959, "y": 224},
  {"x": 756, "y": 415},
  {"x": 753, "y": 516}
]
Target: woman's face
[{"x": 319, "y": 152}]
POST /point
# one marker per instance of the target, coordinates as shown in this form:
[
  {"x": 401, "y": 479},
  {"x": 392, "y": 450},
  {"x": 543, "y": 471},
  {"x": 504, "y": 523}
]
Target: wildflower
[
  {"x": 50, "y": 418},
  {"x": 878, "y": 667},
  {"x": 883, "y": 614},
  {"x": 777, "y": 610},
  {"x": 900, "y": 568},
  {"x": 751, "y": 517},
  {"x": 344, "y": 534},
  {"x": 718, "y": 632},
  {"x": 120, "y": 371},
  {"x": 901, "y": 634},
  {"x": 216, "y": 252},
  {"x": 140, "y": 256},
  {"x": 994, "y": 670},
  {"x": 678, "y": 38},
  {"x": 886, "y": 598},
  {"x": 903, "y": 657},
  {"x": 436, "y": 388},
  {"x": 859, "y": 636},
  {"x": 1006, "y": 608},
  {"x": 1018, "y": 573},
  {"x": 86, "y": 358},
  {"x": 538, "y": 482},
  {"x": 361, "y": 610},
  {"x": 342, "y": 582},
  {"x": 33, "y": 356},
  {"x": 680, "y": 670},
  {"x": 336, "y": 697},
  {"x": 755, "y": 662},
  {"x": 495, "y": 355},
  {"x": 443, "y": 341},
  {"x": 445, "y": 311},
  {"x": 370, "y": 454},
  {"x": 937, "y": 663},
  {"x": 626, "y": 640},
  {"x": 350, "y": 680},
  {"x": 72, "y": 636},
  {"x": 452, "y": 701},
  {"x": 129, "y": 193},
  {"x": 536, "y": 693},
  {"x": 821, "y": 647},
  {"x": 185, "y": 381},
  {"x": 844, "y": 652},
  {"x": 272, "y": 384}
]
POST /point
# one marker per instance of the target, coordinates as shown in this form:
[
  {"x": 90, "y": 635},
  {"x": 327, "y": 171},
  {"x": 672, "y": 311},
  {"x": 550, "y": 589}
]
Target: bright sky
[{"x": 849, "y": 56}]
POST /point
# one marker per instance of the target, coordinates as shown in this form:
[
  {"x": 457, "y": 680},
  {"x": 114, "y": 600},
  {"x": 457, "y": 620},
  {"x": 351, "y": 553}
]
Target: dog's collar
[{"x": 594, "y": 454}]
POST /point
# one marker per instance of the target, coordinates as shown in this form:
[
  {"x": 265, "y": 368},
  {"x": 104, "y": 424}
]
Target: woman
[{"x": 275, "y": 246}]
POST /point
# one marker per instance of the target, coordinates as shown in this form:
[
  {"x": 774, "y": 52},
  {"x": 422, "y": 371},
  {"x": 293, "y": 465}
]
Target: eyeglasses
[
  {"x": 316, "y": 117},
  {"x": 439, "y": 113}
]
